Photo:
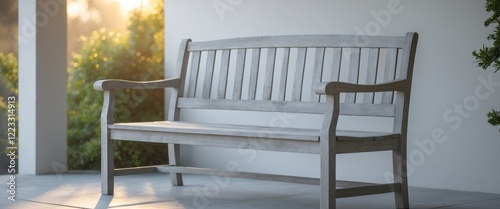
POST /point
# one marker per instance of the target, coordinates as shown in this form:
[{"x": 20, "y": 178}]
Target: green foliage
[
  {"x": 134, "y": 55},
  {"x": 494, "y": 117},
  {"x": 8, "y": 71},
  {"x": 8, "y": 76},
  {"x": 490, "y": 56}
]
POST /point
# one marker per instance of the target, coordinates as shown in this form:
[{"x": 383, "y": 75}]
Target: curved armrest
[
  {"x": 110, "y": 84},
  {"x": 342, "y": 87}
]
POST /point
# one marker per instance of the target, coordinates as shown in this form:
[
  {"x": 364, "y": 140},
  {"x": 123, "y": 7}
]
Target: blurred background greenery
[{"x": 120, "y": 39}]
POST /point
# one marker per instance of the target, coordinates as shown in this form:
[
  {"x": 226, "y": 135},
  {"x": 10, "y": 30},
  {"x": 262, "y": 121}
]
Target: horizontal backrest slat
[
  {"x": 382, "y": 110},
  {"x": 328, "y": 41}
]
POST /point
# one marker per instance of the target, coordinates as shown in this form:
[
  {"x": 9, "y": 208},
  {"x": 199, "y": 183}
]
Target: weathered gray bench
[{"x": 330, "y": 75}]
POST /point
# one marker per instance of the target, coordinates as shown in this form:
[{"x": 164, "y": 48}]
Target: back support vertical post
[
  {"x": 402, "y": 103},
  {"x": 173, "y": 111}
]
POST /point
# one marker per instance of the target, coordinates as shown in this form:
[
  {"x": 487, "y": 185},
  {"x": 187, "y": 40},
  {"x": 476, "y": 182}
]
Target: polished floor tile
[{"x": 82, "y": 190}]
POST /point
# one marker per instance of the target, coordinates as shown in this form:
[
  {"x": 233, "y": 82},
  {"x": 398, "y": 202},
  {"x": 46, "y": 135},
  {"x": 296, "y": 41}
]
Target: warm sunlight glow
[
  {"x": 82, "y": 10},
  {"x": 129, "y": 5}
]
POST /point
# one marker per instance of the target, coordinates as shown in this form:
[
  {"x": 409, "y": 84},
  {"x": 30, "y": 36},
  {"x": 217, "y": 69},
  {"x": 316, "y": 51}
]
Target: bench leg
[
  {"x": 328, "y": 154},
  {"x": 328, "y": 179},
  {"x": 173, "y": 160},
  {"x": 400, "y": 177},
  {"x": 107, "y": 165}
]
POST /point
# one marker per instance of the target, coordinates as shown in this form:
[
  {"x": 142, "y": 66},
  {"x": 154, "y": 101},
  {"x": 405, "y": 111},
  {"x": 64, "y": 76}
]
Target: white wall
[{"x": 445, "y": 77}]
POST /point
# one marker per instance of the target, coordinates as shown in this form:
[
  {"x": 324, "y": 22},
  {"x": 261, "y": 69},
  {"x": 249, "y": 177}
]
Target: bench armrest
[
  {"x": 342, "y": 87},
  {"x": 103, "y": 85}
]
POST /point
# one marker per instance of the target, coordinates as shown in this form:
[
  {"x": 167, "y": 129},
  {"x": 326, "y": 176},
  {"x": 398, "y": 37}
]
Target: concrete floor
[{"x": 82, "y": 190}]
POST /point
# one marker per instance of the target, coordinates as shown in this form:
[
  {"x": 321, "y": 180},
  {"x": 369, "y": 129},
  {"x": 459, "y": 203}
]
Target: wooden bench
[{"x": 331, "y": 75}]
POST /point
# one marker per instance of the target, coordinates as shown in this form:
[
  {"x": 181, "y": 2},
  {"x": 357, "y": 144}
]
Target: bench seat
[{"x": 244, "y": 136}]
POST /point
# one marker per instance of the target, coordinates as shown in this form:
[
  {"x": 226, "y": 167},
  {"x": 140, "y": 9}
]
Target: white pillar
[{"x": 42, "y": 86}]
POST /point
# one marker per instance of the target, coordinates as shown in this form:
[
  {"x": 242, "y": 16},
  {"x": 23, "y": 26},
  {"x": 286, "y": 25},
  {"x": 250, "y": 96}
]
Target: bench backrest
[{"x": 278, "y": 73}]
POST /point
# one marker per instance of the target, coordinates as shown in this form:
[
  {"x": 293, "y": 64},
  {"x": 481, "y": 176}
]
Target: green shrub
[
  {"x": 134, "y": 55},
  {"x": 8, "y": 76},
  {"x": 490, "y": 56}
]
